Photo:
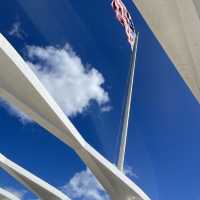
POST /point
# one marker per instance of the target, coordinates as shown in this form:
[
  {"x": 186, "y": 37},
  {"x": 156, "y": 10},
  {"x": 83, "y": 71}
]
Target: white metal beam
[
  {"x": 39, "y": 187},
  {"x": 176, "y": 24},
  {"x": 5, "y": 195},
  {"x": 20, "y": 86}
]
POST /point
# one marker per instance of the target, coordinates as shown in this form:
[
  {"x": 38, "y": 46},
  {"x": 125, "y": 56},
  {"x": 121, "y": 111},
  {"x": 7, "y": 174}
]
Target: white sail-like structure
[
  {"x": 5, "y": 195},
  {"x": 20, "y": 86},
  {"x": 39, "y": 187},
  {"x": 176, "y": 24}
]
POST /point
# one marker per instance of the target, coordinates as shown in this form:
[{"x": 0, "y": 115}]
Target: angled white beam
[
  {"x": 20, "y": 86},
  {"x": 39, "y": 187},
  {"x": 5, "y": 195},
  {"x": 176, "y": 24}
]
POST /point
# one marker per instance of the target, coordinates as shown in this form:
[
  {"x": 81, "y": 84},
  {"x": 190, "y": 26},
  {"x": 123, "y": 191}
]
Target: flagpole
[{"x": 122, "y": 151}]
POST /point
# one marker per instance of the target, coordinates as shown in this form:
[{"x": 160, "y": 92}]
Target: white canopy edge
[
  {"x": 176, "y": 24},
  {"x": 39, "y": 187},
  {"x": 5, "y": 195}
]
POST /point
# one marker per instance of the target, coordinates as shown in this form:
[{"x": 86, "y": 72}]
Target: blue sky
[{"x": 163, "y": 143}]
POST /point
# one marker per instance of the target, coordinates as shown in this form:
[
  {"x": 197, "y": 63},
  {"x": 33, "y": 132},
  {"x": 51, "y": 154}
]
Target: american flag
[{"x": 125, "y": 19}]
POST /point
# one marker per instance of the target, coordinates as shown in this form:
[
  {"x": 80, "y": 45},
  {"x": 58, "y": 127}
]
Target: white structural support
[
  {"x": 20, "y": 86},
  {"x": 176, "y": 24},
  {"x": 5, "y": 195},
  {"x": 39, "y": 187},
  {"x": 124, "y": 134}
]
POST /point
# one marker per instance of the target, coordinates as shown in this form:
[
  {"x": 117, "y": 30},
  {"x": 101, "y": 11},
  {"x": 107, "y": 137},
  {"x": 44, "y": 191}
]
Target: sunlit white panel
[{"x": 176, "y": 24}]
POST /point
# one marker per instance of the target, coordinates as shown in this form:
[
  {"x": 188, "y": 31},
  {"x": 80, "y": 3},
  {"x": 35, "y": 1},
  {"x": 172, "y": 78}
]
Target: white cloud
[
  {"x": 84, "y": 186},
  {"x": 73, "y": 85},
  {"x": 129, "y": 172},
  {"x": 106, "y": 108},
  {"x": 14, "y": 111},
  {"x": 18, "y": 193},
  {"x": 16, "y": 30}
]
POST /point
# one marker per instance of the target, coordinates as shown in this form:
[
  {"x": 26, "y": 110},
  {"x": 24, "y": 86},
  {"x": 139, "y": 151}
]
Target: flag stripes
[{"x": 125, "y": 19}]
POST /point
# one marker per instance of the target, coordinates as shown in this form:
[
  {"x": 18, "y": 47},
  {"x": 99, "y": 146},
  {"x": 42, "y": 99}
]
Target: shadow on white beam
[
  {"x": 20, "y": 86},
  {"x": 5, "y": 195},
  {"x": 39, "y": 187}
]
